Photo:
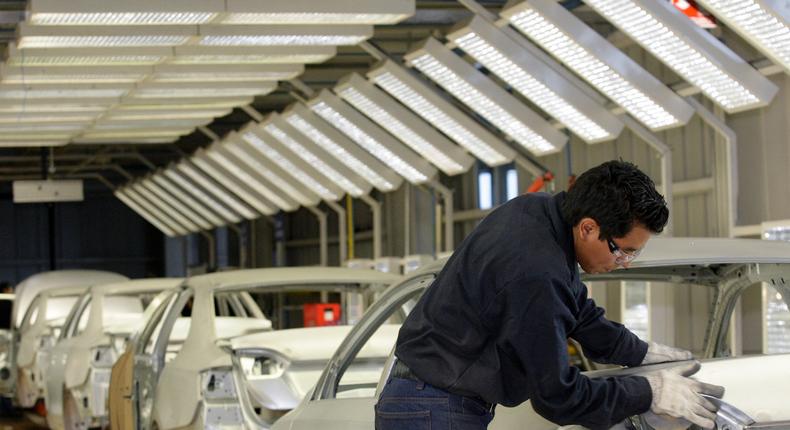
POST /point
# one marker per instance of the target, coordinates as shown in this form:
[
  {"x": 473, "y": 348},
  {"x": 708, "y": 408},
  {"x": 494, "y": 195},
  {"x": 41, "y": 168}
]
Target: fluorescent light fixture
[
  {"x": 22, "y": 128},
  {"x": 204, "y": 199},
  {"x": 178, "y": 104},
  {"x": 211, "y": 73},
  {"x": 403, "y": 124},
  {"x": 763, "y": 23},
  {"x": 305, "y": 176},
  {"x": 74, "y": 36},
  {"x": 173, "y": 201},
  {"x": 183, "y": 90},
  {"x": 259, "y": 157},
  {"x": 488, "y": 99},
  {"x": 135, "y": 198},
  {"x": 151, "y": 12},
  {"x": 342, "y": 148},
  {"x": 31, "y": 143},
  {"x": 37, "y": 118},
  {"x": 163, "y": 115},
  {"x": 251, "y": 54},
  {"x": 78, "y": 57},
  {"x": 324, "y": 12},
  {"x": 596, "y": 60},
  {"x": 215, "y": 190},
  {"x": 284, "y": 35},
  {"x": 89, "y": 139},
  {"x": 423, "y": 100},
  {"x": 161, "y": 226},
  {"x": 163, "y": 124},
  {"x": 70, "y": 75},
  {"x": 137, "y": 133},
  {"x": 54, "y": 108},
  {"x": 232, "y": 182},
  {"x": 311, "y": 164},
  {"x": 247, "y": 166},
  {"x": 372, "y": 138},
  {"x": 120, "y": 12},
  {"x": 13, "y": 91},
  {"x": 536, "y": 81},
  {"x": 184, "y": 191},
  {"x": 690, "y": 51},
  {"x": 34, "y": 136},
  {"x": 162, "y": 204}
]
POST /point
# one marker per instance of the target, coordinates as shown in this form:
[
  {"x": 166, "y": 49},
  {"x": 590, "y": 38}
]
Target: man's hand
[
  {"x": 658, "y": 353},
  {"x": 677, "y": 395}
]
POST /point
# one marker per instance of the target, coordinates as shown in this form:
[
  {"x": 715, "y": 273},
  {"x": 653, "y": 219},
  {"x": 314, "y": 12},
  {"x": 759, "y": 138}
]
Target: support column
[
  {"x": 324, "y": 235},
  {"x": 447, "y": 198},
  {"x": 212, "y": 251},
  {"x": 375, "y": 207},
  {"x": 342, "y": 246}
]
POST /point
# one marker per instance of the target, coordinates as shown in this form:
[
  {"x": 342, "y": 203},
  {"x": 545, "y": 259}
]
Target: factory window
[
  {"x": 776, "y": 316},
  {"x": 636, "y": 307},
  {"x": 511, "y": 184},
  {"x": 485, "y": 190}
]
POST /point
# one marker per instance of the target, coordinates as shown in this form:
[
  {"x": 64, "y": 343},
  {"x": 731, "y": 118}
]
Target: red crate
[{"x": 321, "y": 314}]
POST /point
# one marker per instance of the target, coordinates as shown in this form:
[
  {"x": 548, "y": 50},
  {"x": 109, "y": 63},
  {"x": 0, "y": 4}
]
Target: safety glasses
[{"x": 622, "y": 257}]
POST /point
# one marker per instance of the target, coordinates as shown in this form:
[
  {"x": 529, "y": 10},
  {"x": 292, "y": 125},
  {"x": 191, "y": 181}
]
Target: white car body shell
[
  {"x": 756, "y": 385},
  {"x": 178, "y": 389},
  {"x": 70, "y": 359}
]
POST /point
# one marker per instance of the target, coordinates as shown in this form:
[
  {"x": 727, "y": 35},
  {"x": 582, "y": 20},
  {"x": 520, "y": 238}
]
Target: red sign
[{"x": 691, "y": 10}]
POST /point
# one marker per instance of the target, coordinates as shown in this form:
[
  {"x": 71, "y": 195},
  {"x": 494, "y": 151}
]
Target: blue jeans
[{"x": 405, "y": 404}]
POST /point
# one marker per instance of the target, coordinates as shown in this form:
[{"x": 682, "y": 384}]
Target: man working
[{"x": 493, "y": 327}]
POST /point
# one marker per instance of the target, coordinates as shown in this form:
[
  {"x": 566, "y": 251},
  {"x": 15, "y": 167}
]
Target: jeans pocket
[{"x": 412, "y": 420}]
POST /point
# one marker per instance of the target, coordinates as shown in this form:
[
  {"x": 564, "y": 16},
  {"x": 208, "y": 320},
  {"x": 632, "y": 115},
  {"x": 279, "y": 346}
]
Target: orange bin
[{"x": 321, "y": 314}]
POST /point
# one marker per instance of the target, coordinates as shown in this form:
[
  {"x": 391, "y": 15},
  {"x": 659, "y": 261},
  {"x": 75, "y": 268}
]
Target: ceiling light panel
[
  {"x": 10, "y": 92},
  {"x": 324, "y": 12},
  {"x": 147, "y": 207},
  {"x": 71, "y": 75},
  {"x": 403, "y": 124},
  {"x": 212, "y": 73},
  {"x": 179, "y": 124},
  {"x": 181, "y": 104},
  {"x": 372, "y": 138},
  {"x": 65, "y": 108},
  {"x": 204, "y": 199},
  {"x": 136, "y": 134},
  {"x": 82, "y": 57},
  {"x": 35, "y": 118},
  {"x": 423, "y": 100},
  {"x": 162, "y": 115},
  {"x": 271, "y": 184},
  {"x": 536, "y": 81},
  {"x": 161, "y": 226},
  {"x": 251, "y": 55},
  {"x": 292, "y": 165},
  {"x": 170, "y": 205},
  {"x": 764, "y": 23},
  {"x": 90, "y": 139},
  {"x": 183, "y": 191},
  {"x": 596, "y": 60},
  {"x": 690, "y": 51},
  {"x": 34, "y": 136},
  {"x": 342, "y": 148},
  {"x": 319, "y": 164},
  {"x": 31, "y": 143},
  {"x": 284, "y": 35},
  {"x": 234, "y": 183},
  {"x": 489, "y": 100},
  {"x": 216, "y": 191},
  {"x": 120, "y": 12},
  {"x": 33, "y": 36},
  {"x": 263, "y": 153}
]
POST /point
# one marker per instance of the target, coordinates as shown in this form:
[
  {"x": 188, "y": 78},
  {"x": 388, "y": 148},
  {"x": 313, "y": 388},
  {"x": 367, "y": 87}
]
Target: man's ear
[{"x": 589, "y": 230}]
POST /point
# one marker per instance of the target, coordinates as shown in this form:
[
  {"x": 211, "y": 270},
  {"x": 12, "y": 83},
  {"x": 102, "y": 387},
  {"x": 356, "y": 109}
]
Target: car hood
[{"x": 315, "y": 343}]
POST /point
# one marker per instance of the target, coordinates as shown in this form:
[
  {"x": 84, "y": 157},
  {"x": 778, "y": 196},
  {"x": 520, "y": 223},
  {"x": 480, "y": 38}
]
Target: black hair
[{"x": 616, "y": 195}]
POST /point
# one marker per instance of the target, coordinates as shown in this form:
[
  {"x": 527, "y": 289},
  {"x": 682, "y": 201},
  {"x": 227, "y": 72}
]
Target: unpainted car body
[
  {"x": 92, "y": 338},
  {"x": 756, "y": 386},
  {"x": 182, "y": 370},
  {"x": 33, "y": 321}
]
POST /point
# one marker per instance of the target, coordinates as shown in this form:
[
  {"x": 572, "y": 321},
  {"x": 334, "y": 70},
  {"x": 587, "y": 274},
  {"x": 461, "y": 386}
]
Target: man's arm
[
  {"x": 604, "y": 341},
  {"x": 540, "y": 314}
]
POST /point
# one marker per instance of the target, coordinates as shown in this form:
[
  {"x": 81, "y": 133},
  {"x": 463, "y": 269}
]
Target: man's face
[{"x": 595, "y": 254}]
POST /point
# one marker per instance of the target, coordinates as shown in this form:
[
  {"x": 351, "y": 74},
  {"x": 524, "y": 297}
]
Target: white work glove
[
  {"x": 677, "y": 395},
  {"x": 658, "y": 353}
]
